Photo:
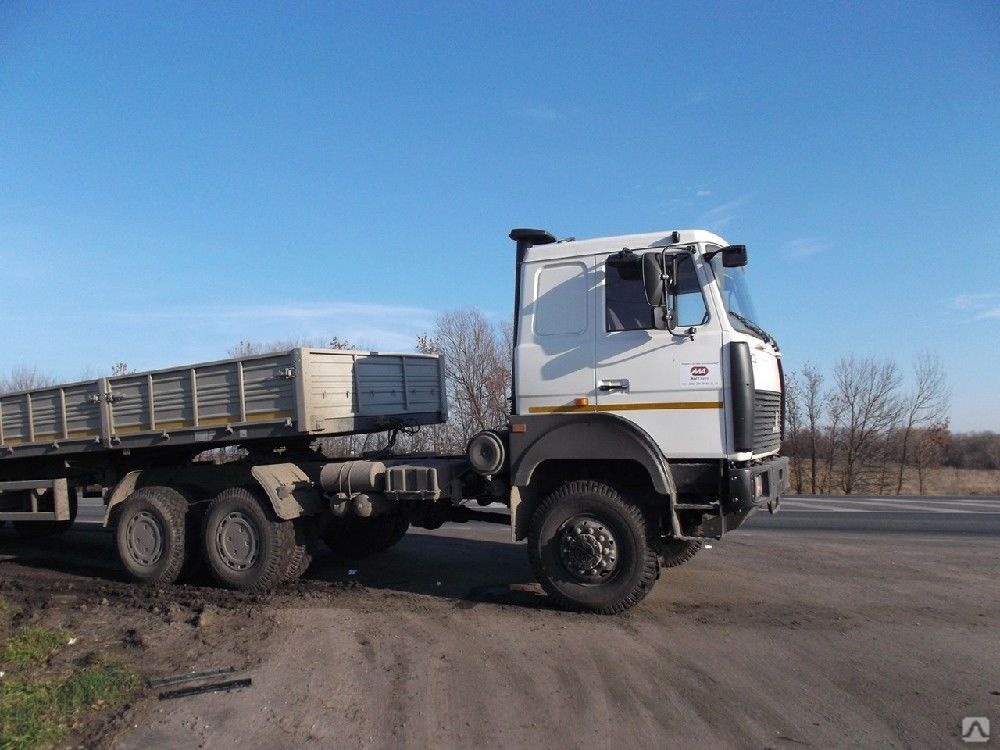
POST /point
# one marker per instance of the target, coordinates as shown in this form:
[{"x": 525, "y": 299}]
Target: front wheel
[{"x": 591, "y": 549}]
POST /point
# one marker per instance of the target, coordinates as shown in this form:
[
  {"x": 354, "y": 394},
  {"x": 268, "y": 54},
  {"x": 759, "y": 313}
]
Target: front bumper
[
  {"x": 758, "y": 485},
  {"x": 751, "y": 487}
]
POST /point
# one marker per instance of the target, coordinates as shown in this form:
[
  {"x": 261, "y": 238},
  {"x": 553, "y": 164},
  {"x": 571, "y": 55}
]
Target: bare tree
[
  {"x": 926, "y": 405},
  {"x": 24, "y": 378},
  {"x": 931, "y": 443},
  {"x": 793, "y": 427},
  {"x": 477, "y": 370},
  {"x": 866, "y": 395},
  {"x": 814, "y": 405},
  {"x": 121, "y": 368}
]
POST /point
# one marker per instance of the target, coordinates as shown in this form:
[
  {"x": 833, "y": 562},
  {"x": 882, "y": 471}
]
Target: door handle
[{"x": 612, "y": 385}]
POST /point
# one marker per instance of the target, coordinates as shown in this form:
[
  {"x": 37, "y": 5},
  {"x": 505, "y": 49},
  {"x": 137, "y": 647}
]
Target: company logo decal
[{"x": 700, "y": 375}]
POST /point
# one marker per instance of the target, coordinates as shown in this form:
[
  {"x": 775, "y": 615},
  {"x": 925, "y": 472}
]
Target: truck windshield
[{"x": 736, "y": 297}]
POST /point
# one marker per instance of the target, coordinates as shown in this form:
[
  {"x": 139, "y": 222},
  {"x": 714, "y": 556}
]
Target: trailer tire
[
  {"x": 151, "y": 534},
  {"x": 363, "y": 537},
  {"x": 245, "y": 545},
  {"x": 301, "y": 556},
  {"x": 674, "y": 552},
  {"x": 591, "y": 549}
]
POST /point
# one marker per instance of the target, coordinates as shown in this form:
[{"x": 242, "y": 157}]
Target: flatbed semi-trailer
[
  {"x": 301, "y": 392},
  {"x": 646, "y": 415}
]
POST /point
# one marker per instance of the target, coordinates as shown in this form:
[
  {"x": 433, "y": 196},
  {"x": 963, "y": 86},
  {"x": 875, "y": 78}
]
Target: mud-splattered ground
[{"x": 769, "y": 639}]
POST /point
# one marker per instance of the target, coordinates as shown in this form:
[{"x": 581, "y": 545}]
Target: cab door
[
  {"x": 554, "y": 360},
  {"x": 669, "y": 384}
]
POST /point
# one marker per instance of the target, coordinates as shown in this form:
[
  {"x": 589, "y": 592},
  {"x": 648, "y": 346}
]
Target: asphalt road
[{"x": 963, "y": 516}]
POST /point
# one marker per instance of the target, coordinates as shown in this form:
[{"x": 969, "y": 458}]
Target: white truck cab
[
  {"x": 588, "y": 341},
  {"x": 642, "y": 380}
]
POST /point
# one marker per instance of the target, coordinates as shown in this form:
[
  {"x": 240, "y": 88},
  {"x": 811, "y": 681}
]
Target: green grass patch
[
  {"x": 37, "y": 707},
  {"x": 33, "y": 644},
  {"x": 35, "y": 713}
]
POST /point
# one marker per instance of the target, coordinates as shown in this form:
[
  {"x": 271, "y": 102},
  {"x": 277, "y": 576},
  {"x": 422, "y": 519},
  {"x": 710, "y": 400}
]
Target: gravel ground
[{"x": 768, "y": 639}]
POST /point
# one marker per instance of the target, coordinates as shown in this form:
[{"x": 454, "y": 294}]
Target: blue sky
[{"x": 177, "y": 177}]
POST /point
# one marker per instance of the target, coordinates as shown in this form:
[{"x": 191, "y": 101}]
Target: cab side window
[{"x": 625, "y": 307}]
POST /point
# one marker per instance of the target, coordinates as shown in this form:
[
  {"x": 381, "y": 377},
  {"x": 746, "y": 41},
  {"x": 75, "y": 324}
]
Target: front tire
[
  {"x": 591, "y": 549},
  {"x": 245, "y": 546},
  {"x": 151, "y": 534}
]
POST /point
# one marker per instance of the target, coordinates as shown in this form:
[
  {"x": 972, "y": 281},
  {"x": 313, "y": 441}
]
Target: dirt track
[{"x": 769, "y": 639}]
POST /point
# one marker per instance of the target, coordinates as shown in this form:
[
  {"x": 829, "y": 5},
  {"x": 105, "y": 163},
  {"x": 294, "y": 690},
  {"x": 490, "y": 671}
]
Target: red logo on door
[{"x": 699, "y": 371}]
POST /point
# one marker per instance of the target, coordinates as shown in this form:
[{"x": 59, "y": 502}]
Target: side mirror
[
  {"x": 734, "y": 256},
  {"x": 653, "y": 279}
]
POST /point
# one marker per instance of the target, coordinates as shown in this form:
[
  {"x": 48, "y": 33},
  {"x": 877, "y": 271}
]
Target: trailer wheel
[
  {"x": 674, "y": 552},
  {"x": 151, "y": 534},
  {"x": 245, "y": 545},
  {"x": 591, "y": 549},
  {"x": 363, "y": 537}
]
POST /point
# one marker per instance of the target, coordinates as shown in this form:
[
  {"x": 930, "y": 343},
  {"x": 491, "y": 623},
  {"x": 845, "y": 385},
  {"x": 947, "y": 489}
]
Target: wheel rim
[
  {"x": 144, "y": 537},
  {"x": 587, "y": 549},
  {"x": 237, "y": 541}
]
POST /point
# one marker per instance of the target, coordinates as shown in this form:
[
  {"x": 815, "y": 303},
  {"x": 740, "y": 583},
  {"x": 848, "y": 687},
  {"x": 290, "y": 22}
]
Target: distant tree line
[{"x": 857, "y": 429}]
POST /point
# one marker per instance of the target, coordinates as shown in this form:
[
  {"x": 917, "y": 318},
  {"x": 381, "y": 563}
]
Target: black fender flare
[{"x": 595, "y": 436}]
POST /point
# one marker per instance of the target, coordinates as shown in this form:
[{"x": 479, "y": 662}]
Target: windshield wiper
[{"x": 755, "y": 328}]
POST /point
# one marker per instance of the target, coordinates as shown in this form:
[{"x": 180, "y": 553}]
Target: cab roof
[{"x": 606, "y": 245}]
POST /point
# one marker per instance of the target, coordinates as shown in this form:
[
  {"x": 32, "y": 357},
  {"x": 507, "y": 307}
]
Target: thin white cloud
[
  {"x": 543, "y": 113},
  {"x": 722, "y": 215},
  {"x": 804, "y": 247},
  {"x": 703, "y": 193},
  {"x": 385, "y": 325},
  {"x": 299, "y": 311},
  {"x": 982, "y": 305},
  {"x": 697, "y": 97}
]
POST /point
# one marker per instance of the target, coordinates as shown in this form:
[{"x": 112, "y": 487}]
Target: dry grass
[{"x": 938, "y": 481}]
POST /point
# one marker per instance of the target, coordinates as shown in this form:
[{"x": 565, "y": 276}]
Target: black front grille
[{"x": 766, "y": 421}]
